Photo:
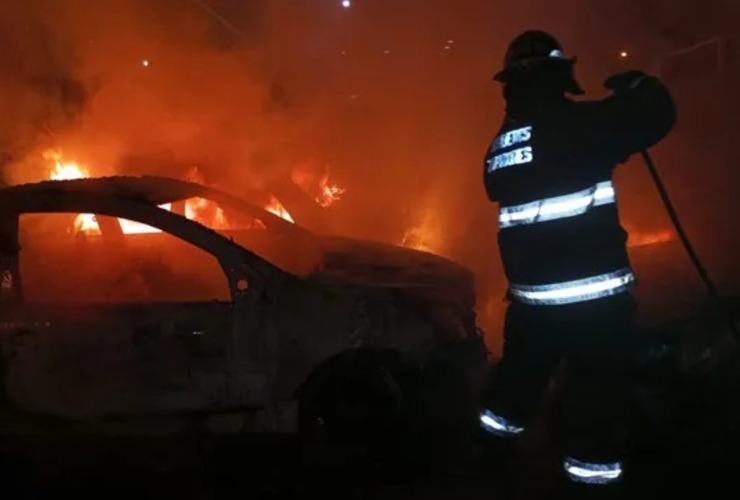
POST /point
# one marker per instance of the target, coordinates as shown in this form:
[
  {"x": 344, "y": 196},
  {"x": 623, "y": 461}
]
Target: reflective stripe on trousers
[
  {"x": 570, "y": 292},
  {"x": 591, "y": 472},
  {"x": 498, "y": 425},
  {"x": 558, "y": 207},
  {"x": 577, "y": 470}
]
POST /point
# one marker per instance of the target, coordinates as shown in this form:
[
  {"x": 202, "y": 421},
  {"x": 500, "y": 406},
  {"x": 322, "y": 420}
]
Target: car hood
[{"x": 359, "y": 262}]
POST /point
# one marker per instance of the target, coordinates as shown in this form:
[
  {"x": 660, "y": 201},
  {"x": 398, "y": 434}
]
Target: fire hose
[{"x": 711, "y": 288}]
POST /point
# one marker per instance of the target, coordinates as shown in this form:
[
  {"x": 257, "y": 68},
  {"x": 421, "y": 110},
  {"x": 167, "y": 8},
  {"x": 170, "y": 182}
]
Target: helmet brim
[
  {"x": 501, "y": 75},
  {"x": 573, "y": 87}
]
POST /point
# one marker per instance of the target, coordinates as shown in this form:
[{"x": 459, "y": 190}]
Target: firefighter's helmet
[{"x": 536, "y": 48}]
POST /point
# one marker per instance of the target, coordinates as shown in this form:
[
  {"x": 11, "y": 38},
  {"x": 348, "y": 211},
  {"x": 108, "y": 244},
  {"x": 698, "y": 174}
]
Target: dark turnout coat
[{"x": 550, "y": 170}]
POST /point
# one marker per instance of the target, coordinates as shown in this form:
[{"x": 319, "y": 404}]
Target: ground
[
  {"x": 54, "y": 465},
  {"x": 686, "y": 444}
]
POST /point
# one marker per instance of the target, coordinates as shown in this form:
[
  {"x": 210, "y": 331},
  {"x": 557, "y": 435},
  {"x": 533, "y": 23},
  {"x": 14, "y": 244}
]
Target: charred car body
[{"x": 89, "y": 341}]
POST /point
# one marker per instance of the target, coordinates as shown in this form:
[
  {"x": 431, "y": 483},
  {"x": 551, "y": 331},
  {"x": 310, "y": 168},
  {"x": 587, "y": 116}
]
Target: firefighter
[{"x": 549, "y": 169}]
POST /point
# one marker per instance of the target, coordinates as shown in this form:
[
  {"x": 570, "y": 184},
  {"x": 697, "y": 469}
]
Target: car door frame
[{"x": 247, "y": 274}]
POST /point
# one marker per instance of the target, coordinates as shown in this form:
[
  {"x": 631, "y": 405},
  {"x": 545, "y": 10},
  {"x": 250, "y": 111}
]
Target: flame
[
  {"x": 68, "y": 171},
  {"x": 429, "y": 228},
  {"x": 275, "y": 207},
  {"x": 133, "y": 227},
  {"x": 329, "y": 193},
  {"x": 197, "y": 209},
  {"x": 427, "y": 235},
  {"x": 323, "y": 191},
  {"x": 87, "y": 223},
  {"x": 206, "y": 212},
  {"x": 202, "y": 210},
  {"x": 416, "y": 239}
]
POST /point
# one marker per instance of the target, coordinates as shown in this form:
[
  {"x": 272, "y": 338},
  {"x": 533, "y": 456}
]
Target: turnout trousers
[{"x": 595, "y": 340}]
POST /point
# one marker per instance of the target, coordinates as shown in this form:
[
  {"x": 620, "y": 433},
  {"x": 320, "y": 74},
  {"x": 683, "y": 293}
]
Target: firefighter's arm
[
  {"x": 489, "y": 183},
  {"x": 638, "y": 114}
]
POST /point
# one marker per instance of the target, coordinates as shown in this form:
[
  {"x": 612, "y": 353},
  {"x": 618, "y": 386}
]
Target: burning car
[{"x": 149, "y": 314}]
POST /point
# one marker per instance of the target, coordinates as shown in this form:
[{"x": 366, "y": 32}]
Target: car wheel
[{"x": 357, "y": 408}]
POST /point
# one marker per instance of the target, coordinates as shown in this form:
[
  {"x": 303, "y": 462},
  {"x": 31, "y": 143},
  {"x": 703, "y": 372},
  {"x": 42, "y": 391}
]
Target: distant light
[
  {"x": 344, "y": 52},
  {"x": 145, "y": 62},
  {"x": 346, "y": 4},
  {"x": 450, "y": 41},
  {"x": 624, "y": 54},
  {"x": 386, "y": 51},
  {"x": 448, "y": 47}
]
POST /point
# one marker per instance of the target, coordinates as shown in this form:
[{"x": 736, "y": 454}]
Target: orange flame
[
  {"x": 68, "y": 171},
  {"x": 196, "y": 209},
  {"x": 206, "y": 212},
  {"x": 329, "y": 193},
  {"x": 322, "y": 190},
  {"x": 427, "y": 235},
  {"x": 275, "y": 207},
  {"x": 201, "y": 210},
  {"x": 87, "y": 223}
]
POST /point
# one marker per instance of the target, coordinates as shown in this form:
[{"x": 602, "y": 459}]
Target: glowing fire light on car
[{"x": 639, "y": 239}]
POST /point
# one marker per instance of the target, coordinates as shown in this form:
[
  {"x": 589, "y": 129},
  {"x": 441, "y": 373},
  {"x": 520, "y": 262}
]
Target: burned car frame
[{"x": 280, "y": 343}]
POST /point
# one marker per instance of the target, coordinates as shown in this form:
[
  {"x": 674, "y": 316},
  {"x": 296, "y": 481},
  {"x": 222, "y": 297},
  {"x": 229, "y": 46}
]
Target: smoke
[
  {"x": 394, "y": 97},
  {"x": 118, "y": 81},
  {"x": 37, "y": 85}
]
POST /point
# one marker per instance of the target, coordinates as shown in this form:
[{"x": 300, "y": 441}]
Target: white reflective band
[
  {"x": 558, "y": 207},
  {"x": 569, "y": 292},
  {"x": 557, "y": 54},
  {"x": 592, "y": 473},
  {"x": 498, "y": 425}
]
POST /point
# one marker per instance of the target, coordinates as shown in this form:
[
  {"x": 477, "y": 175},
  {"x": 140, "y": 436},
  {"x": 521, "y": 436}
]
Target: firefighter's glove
[{"x": 624, "y": 82}]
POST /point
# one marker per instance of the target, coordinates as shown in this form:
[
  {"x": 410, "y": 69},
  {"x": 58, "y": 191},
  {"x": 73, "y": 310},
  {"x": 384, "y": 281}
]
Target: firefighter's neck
[{"x": 525, "y": 97}]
